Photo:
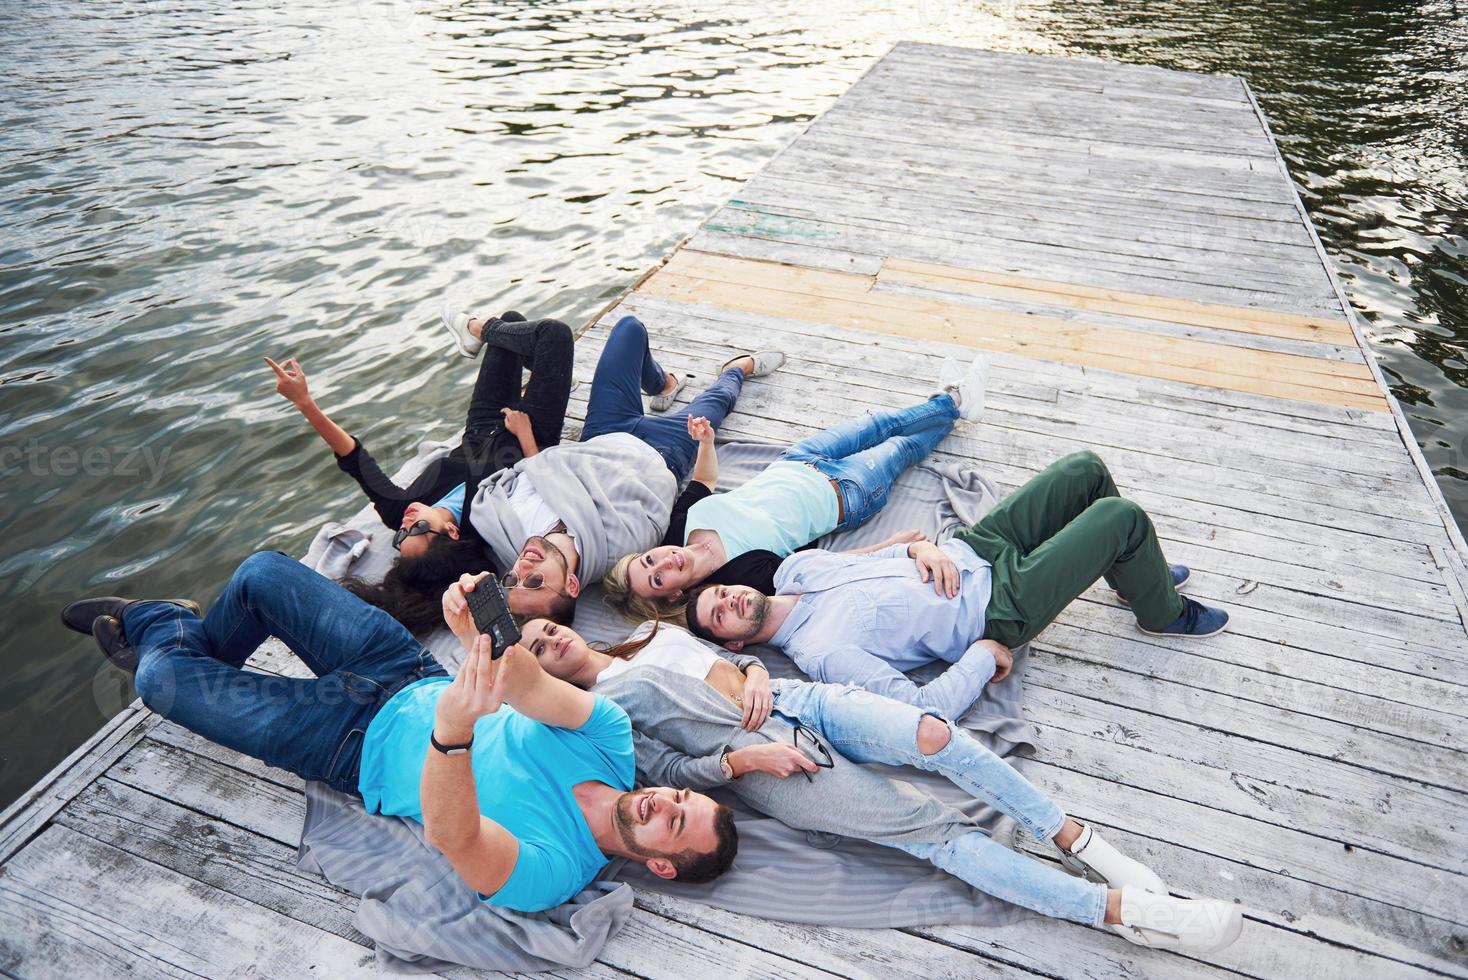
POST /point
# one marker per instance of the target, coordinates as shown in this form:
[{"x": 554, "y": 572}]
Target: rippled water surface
[{"x": 185, "y": 187}]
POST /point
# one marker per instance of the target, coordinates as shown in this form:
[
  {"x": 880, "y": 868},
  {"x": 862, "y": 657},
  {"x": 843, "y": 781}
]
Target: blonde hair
[{"x": 617, "y": 593}]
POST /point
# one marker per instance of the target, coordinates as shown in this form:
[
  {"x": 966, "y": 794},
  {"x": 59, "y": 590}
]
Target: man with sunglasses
[{"x": 706, "y": 719}]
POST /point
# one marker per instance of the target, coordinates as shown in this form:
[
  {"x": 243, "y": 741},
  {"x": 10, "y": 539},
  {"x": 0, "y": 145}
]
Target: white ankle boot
[
  {"x": 1096, "y": 860},
  {"x": 1200, "y": 925},
  {"x": 456, "y": 322}
]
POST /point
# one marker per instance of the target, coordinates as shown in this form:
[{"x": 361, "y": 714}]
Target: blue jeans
[
  {"x": 190, "y": 669},
  {"x": 866, "y": 455},
  {"x": 625, "y": 370},
  {"x": 866, "y": 727}
]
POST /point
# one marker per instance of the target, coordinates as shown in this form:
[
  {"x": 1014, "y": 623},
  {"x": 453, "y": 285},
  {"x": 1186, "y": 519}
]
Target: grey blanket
[{"x": 778, "y": 875}]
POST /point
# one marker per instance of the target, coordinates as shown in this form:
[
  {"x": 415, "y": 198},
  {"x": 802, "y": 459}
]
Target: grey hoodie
[{"x": 614, "y": 492}]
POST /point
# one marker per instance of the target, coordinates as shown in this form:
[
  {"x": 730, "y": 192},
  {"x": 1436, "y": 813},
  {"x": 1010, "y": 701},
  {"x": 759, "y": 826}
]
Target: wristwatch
[
  {"x": 725, "y": 766},
  {"x": 450, "y": 749}
]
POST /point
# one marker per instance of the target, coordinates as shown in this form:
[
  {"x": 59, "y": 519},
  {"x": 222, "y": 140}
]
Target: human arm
[
  {"x": 662, "y": 765},
  {"x": 950, "y": 694},
  {"x": 291, "y": 384},
  {"x": 889, "y": 545},
  {"x": 521, "y": 680},
  {"x": 517, "y": 423},
  {"x": 480, "y": 850},
  {"x": 706, "y": 464}
]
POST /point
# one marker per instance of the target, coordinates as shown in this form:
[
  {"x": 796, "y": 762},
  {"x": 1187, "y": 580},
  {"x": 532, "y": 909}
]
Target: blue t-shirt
[
  {"x": 453, "y": 502},
  {"x": 524, "y": 772}
]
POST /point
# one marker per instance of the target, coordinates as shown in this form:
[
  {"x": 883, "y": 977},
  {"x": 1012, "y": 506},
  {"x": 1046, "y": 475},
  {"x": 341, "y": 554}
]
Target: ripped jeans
[{"x": 866, "y": 727}]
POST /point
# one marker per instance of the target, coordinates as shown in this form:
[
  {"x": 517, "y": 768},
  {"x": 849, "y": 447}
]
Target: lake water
[{"x": 187, "y": 186}]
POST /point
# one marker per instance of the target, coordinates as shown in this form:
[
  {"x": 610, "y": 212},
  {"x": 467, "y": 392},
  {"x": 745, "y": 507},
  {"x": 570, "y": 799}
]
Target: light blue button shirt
[{"x": 864, "y": 619}]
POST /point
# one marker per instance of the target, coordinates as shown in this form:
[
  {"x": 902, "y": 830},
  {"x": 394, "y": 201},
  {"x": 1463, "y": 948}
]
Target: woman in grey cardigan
[{"x": 791, "y": 749}]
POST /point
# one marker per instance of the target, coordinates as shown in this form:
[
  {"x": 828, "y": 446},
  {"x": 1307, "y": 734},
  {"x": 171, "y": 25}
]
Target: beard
[
  {"x": 622, "y": 817},
  {"x": 759, "y": 611}
]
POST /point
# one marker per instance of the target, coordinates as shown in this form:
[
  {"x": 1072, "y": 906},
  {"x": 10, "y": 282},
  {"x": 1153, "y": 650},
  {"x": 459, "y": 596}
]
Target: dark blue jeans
[
  {"x": 190, "y": 669},
  {"x": 866, "y": 455},
  {"x": 625, "y": 370}
]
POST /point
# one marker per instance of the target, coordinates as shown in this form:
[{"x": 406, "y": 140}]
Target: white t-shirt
[
  {"x": 672, "y": 649},
  {"x": 531, "y": 508}
]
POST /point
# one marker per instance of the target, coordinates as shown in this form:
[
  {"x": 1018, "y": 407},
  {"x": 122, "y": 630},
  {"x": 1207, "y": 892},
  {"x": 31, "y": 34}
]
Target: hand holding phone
[{"x": 490, "y": 608}]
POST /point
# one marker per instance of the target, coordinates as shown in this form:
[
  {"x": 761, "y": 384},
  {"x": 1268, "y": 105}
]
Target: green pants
[{"x": 1054, "y": 536}]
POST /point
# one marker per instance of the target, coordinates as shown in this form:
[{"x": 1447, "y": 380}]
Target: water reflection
[{"x": 190, "y": 185}]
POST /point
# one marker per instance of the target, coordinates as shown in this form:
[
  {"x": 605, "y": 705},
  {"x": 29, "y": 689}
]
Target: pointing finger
[{"x": 279, "y": 373}]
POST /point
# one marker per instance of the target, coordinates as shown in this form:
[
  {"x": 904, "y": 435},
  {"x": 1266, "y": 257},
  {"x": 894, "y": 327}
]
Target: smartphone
[{"x": 490, "y": 608}]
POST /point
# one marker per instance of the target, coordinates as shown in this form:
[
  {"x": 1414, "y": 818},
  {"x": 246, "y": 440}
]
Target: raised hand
[
  {"x": 290, "y": 381},
  {"x": 477, "y": 690},
  {"x": 700, "y": 430}
]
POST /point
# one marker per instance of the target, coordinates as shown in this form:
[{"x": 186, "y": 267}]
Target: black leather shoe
[
  {"x": 80, "y": 615},
  {"x": 107, "y": 630}
]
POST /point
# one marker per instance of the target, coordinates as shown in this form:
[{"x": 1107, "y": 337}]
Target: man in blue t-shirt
[{"x": 527, "y": 803}]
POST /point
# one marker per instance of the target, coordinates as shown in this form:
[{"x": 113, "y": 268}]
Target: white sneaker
[
  {"x": 457, "y": 324},
  {"x": 1200, "y": 925},
  {"x": 1097, "y": 860},
  {"x": 971, "y": 391},
  {"x": 950, "y": 380},
  {"x": 765, "y": 362}
]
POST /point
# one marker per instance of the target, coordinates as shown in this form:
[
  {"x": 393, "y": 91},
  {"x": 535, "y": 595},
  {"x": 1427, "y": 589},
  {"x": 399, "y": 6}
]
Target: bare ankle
[
  {"x": 1069, "y": 831},
  {"x": 1113, "y": 906},
  {"x": 476, "y": 328}
]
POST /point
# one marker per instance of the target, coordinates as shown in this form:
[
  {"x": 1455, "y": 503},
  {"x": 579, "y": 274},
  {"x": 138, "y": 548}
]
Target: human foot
[
  {"x": 1200, "y": 925},
  {"x": 460, "y": 326},
  {"x": 756, "y": 364},
  {"x": 663, "y": 400},
  {"x": 1093, "y": 858},
  {"x": 1196, "y": 621}
]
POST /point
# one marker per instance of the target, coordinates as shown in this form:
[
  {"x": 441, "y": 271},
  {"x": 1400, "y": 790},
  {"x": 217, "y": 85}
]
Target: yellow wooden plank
[
  {"x": 1033, "y": 331},
  {"x": 840, "y": 298},
  {"x": 1001, "y": 285}
]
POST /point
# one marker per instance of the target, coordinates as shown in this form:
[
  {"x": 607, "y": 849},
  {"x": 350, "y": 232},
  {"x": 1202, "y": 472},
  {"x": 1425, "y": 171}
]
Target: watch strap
[{"x": 450, "y": 749}]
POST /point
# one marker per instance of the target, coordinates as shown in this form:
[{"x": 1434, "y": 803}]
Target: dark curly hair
[{"x": 412, "y": 590}]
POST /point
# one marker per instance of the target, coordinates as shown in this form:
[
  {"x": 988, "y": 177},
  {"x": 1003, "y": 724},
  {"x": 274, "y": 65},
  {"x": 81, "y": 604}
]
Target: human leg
[
  {"x": 668, "y": 434},
  {"x": 865, "y": 466},
  {"x": 866, "y": 431},
  {"x": 1032, "y": 514},
  {"x": 625, "y": 370},
  {"x": 1111, "y": 538},
  {"x": 866, "y": 727},
  {"x": 547, "y": 348},
  {"x": 995, "y": 870}
]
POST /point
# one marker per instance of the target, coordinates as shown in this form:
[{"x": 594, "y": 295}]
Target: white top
[
  {"x": 673, "y": 648},
  {"x": 534, "y": 513}
]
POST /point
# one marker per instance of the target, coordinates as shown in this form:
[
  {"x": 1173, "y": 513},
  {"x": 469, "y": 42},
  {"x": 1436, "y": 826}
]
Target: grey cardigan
[
  {"x": 614, "y": 492},
  {"x": 683, "y": 725}
]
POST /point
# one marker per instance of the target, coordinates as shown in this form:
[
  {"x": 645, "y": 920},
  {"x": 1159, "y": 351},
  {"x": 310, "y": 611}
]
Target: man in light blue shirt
[{"x": 864, "y": 619}]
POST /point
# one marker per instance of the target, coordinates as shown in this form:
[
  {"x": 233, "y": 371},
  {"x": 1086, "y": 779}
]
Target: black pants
[{"x": 511, "y": 346}]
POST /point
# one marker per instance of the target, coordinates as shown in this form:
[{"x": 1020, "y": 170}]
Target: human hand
[
  {"x": 478, "y": 689},
  {"x": 517, "y": 423},
  {"x": 758, "y": 702},
  {"x": 934, "y": 563},
  {"x": 775, "y": 758},
  {"x": 290, "y": 381},
  {"x": 904, "y": 537},
  {"x": 456, "y": 608},
  {"x": 1003, "y": 659},
  {"x": 700, "y": 430}
]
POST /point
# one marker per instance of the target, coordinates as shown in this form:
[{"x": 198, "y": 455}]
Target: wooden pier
[{"x": 1127, "y": 245}]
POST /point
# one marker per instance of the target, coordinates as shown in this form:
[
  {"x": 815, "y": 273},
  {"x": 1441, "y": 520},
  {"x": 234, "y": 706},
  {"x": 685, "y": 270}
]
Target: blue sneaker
[
  {"x": 1180, "y": 576},
  {"x": 1197, "y": 620}
]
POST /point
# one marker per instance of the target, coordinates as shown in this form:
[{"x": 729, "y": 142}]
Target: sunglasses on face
[
  {"x": 806, "y": 741},
  {"x": 534, "y": 580},
  {"x": 411, "y": 531}
]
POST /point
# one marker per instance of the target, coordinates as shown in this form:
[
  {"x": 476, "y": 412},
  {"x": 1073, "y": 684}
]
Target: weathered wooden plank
[
  {"x": 31, "y": 810},
  {"x": 75, "y": 905},
  {"x": 1280, "y": 375}
]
